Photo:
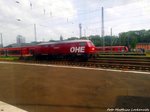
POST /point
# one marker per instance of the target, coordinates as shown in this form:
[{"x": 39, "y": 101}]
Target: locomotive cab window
[
  {"x": 82, "y": 43},
  {"x": 45, "y": 46},
  {"x": 90, "y": 44}
]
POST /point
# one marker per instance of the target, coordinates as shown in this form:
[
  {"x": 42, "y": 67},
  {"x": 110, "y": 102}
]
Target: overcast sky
[{"x": 62, "y": 17}]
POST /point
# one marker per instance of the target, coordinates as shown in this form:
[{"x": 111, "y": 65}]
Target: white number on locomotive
[{"x": 77, "y": 49}]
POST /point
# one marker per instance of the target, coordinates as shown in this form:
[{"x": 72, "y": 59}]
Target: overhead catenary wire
[
  {"x": 86, "y": 17},
  {"x": 92, "y": 11}
]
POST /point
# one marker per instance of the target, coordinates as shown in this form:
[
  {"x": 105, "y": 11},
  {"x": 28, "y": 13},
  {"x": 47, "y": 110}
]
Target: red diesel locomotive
[{"x": 63, "y": 49}]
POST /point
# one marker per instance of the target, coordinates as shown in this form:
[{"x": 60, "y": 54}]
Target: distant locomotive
[
  {"x": 114, "y": 49},
  {"x": 64, "y": 49}
]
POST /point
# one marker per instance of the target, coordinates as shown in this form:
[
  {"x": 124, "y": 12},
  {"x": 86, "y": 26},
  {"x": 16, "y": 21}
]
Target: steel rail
[{"x": 97, "y": 64}]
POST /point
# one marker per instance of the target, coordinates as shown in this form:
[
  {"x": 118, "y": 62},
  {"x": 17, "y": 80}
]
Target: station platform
[
  {"x": 5, "y": 107},
  {"x": 52, "y": 88}
]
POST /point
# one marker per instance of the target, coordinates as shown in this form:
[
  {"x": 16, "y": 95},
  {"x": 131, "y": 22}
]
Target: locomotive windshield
[
  {"x": 90, "y": 44},
  {"x": 82, "y": 43}
]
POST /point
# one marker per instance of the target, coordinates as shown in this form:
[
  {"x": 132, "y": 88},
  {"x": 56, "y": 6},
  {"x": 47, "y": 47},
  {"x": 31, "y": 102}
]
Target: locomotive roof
[{"x": 70, "y": 41}]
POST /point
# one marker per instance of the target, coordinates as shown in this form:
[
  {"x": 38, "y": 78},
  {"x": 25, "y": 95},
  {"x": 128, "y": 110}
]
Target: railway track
[
  {"x": 138, "y": 63},
  {"x": 105, "y": 62}
]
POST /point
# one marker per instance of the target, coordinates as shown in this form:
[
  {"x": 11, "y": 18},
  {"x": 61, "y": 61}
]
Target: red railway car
[
  {"x": 114, "y": 49},
  {"x": 63, "y": 49},
  {"x": 16, "y": 51},
  {"x": 2, "y": 52}
]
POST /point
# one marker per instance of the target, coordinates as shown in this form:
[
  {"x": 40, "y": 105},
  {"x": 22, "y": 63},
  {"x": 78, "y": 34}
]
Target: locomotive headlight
[{"x": 93, "y": 49}]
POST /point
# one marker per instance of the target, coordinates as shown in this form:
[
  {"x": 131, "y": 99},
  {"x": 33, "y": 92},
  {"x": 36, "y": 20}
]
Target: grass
[
  {"x": 148, "y": 54},
  {"x": 8, "y": 58}
]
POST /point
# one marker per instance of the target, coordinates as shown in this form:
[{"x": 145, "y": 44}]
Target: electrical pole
[
  {"x": 1, "y": 40},
  {"x": 102, "y": 32},
  {"x": 35, "y": 32},
  {"x": 80, "y": 29},
  {"x": 111, "y": 38},
  {"x": 85, "y": 32}
]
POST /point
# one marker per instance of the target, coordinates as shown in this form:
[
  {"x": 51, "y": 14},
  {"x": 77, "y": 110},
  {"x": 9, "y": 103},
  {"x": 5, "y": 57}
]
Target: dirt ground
[{"x": 53, "y": 89}]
